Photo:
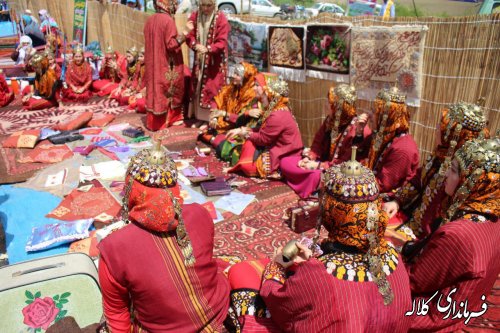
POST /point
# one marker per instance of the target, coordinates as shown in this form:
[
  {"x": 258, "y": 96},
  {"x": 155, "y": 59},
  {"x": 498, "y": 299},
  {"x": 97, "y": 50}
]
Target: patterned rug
[{"x": 13, "y": 118}]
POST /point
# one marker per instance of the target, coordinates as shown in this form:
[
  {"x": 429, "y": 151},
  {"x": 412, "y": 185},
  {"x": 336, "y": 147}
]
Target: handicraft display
[
  {"x": 328, "y": 51},
  {"x": 248, "y": 42},
  {"x": 286, "y": 52},
  {"x": 381, "y": 56}
]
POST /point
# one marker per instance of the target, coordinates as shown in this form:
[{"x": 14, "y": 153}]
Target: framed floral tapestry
[{"x": 328, "y": 50}]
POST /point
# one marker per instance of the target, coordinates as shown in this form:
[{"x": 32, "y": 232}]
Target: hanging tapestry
[
  {"x": 384, "y": 56},
  {"x": 286, "y": 52},
  {"x": 327, "y": 52},
  {"x": 248, "y": 42}
]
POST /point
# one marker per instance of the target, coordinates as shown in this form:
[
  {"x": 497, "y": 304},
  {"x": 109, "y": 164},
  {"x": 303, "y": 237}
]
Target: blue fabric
[
  {"x": 27, "y": 19},
  {"x": 20, "y": 210}
]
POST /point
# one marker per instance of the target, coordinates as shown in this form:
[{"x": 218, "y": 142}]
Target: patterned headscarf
[
  {"x": 152, "y": 197},
  {"x": 27, "y": 19},
  {"x": 393, "y": 119},
  {"x": 276, "y": 90},
  {"x": 342, "y": 99},
  {"x": 166, "y": 6},
  {"x": 478, "y": 191},
  {"x": 353, "y": 216}
]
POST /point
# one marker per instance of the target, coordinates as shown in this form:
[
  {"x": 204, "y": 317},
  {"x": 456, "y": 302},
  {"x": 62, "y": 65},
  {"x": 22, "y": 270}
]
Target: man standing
[{"x": 164, "y": 74}]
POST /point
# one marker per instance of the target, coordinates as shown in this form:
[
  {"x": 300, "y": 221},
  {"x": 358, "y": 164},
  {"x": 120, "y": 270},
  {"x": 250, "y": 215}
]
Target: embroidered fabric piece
[
  {"x": 247, "y": 302},
  {"x": 274, "y": 271},
  {"x": 352, "y": 267},
  {"x": 52, "y": 235}
]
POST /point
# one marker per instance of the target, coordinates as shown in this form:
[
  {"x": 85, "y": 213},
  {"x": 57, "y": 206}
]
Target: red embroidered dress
[
  {"x": 212, "y": 67},
  {"x": 6, "y": 94},
  {"x": 110, "y": 77},
  {"x": 164, "y": 75},
  {"x": 78, "y": 77}
]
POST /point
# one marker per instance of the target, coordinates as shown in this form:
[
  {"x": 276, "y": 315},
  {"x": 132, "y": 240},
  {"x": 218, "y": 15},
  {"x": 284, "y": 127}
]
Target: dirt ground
[{"x": 438, "y": 7}]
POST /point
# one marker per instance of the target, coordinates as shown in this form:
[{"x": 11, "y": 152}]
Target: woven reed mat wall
[{"x": 461, "y": 60}]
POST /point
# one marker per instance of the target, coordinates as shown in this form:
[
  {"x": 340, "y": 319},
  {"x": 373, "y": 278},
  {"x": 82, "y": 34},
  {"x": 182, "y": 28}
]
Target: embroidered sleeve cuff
[{"x": 275, "y": 272}]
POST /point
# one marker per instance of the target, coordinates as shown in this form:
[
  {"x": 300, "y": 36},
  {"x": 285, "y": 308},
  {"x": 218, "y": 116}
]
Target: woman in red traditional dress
[
  {"x": 332, "y": 142},
  {"x": 357, "y": 282},
  {"x": 125, "y": 89},
  {"x": 44, "y": 93},
  {"x": 277, "y": 137},
  {"x": 208, "y": 34},
  {"x": 164, "y": 74},
  {"x": 161, "y": 265},
  {"x": 137, "y": 100},
  {"x": 6, "y": 94},
  {"x": 112, "y": 71},
  {"x": 420, "y": 198},
  {"x": 78, "y": 79},
  {"x": 458, "y": 262}
]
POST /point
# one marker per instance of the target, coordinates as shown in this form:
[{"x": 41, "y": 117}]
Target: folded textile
[{"x": 55, "y": 234}]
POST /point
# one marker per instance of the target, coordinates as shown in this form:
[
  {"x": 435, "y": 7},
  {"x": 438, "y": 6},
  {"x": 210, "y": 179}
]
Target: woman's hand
[
  {"x": 200, "y": 48},
  {"x": 255, "y": 113},
  {"x": 391, "y": 208},
  {"x": 303, "y": 255},
  {"x": 189, "y": 26}
]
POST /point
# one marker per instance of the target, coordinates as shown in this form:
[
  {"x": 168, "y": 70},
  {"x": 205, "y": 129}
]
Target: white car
[
  {"x": 322, "y": 7},
  {"x": 264, "y": 8}
]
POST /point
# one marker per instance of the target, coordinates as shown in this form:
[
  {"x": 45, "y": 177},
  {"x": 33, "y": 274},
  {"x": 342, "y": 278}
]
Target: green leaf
[
  {"x": 29, "y": 301},
  {"x": 65, "y": 295},
  {"x": 38, "y": 294},
  {"x": 55, "y": 298},
  {"x": 29, "y": 294},
  {"x": 59, "y": 305},
  {"x": 62, "y": 313},
  {"x": 63, "y": 301},
  {"x": 38, "y": 329}
]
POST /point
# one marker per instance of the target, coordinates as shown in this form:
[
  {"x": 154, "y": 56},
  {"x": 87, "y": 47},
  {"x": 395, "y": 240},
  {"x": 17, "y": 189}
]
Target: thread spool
[{"x": 205, "y": 150}]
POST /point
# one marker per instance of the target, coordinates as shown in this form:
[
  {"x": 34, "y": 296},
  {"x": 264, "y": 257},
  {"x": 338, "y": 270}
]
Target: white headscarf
[{"x": 25, "y": 50}]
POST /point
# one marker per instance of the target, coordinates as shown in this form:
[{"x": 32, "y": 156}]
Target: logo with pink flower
[
  {"x": 328, "y": 49},
  {"x": 41, "y": 312}
]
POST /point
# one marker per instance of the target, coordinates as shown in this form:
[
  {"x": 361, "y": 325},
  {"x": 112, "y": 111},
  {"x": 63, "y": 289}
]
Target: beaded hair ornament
[
  {"x": 469, "y": 116},
  {"x": 142, "y": 50},
  {"x": 276, "y": 89},
  {"x": 153, "y": 168},
  {"x": 389, "y": 96},
  {"x": 133, "y": 51},
  {"x": 78, "y": 49},
  {"x": 475, "y": 158},
  {"x": 237, "y": 70},
  {"x": 345, "y": 93},
  {"x": 352, "y": 183}
]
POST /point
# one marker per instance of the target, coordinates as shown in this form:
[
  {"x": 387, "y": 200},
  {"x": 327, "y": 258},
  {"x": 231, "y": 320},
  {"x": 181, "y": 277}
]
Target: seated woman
[
  {"x": 137, "y": 99},
  {"x": 112, "y": 71},
  {"x": 124, "y": 90},
  {"x": 43, "y": 94},
  {"x": 420, "y": 198},
  {"x": 53, "y": 64},
  {"x": 24, "y": 51},
  {"x": 277, "y": 137},
  {"x": 357, "y": 273},
  {"x": 78, "y": 79},
  {"x": 234, "y": 100},
  {"x": 332, "y": 142},
  {"x": 161, "y": 262},
  {"x": 393, "y": 155},
  {"x": 6, "y": 94},
  {"x": 459, "y": 261}
]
